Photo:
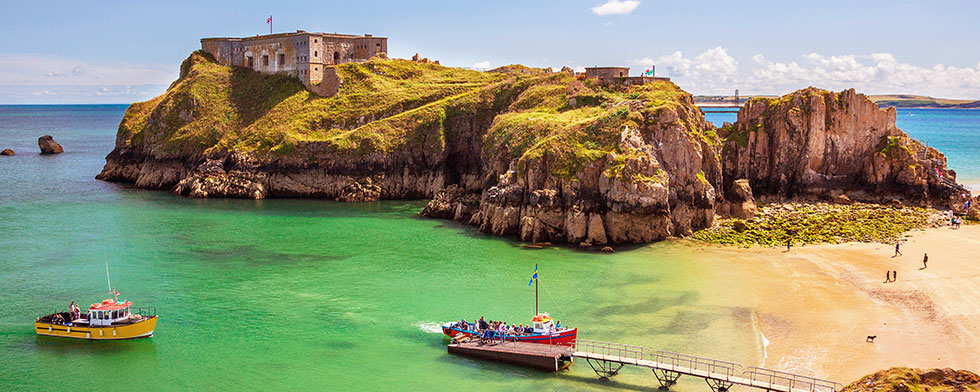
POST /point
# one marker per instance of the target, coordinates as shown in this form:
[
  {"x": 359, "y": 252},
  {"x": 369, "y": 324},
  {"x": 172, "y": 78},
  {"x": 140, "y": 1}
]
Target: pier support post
[
  {"x": 604, "y": 369},
  {"x": 667, "y": 378},
  {"x": 718, "y": 385}
]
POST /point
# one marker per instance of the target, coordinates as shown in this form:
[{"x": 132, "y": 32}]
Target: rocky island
[{"x": 547, "y": 156}]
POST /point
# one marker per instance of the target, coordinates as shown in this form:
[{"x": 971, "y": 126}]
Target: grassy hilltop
[{"x": 385, "y": 106}]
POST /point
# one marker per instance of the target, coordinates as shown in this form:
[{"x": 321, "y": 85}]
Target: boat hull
[
  {"x": 564, "y": 338},
  {"x": 141, "y": 329}
]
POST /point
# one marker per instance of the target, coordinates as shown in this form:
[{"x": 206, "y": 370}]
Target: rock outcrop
[
  {"x": 48, "y": 146},
  {"x": 7, "y": 152},
  {"x": 815, "y": 142},
  {"x": 740, "y": 202},
  {"x": 906, "y": 380}
]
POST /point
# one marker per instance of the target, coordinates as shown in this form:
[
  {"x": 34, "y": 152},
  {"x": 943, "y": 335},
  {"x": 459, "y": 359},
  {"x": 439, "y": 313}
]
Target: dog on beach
[{"x": 871, "y": 338}]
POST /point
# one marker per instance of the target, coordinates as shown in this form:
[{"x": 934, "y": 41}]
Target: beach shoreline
[{"x": 816, "y": 305}]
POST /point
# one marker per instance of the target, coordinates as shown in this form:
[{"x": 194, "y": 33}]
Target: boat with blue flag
[{"x": 542, "y": 329}]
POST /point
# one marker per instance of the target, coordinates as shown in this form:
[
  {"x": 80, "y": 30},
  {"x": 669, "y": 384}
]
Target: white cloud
[
  {"x": 711, "y": 69},
  {"x": 616, "y": 7},
  {"x": 715, "y": 72},
  {"x": 481, "y": 64},
  {"x": 45, "y": 79}
]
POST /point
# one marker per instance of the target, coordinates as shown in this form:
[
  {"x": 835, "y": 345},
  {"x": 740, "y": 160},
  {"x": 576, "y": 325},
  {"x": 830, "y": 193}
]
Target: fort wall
[{"x": 304, "y": 55}]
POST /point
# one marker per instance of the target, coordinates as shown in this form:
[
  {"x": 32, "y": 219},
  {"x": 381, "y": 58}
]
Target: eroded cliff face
[
  {"x": 819, "y": 143},
  {"x": 660, "y": 180}
]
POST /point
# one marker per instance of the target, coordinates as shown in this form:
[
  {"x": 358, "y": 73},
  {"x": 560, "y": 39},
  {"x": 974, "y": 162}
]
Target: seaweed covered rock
[
  {"x": 908, "y": 380},
  {"x": 7, "y": 152},
  {"x": 813, "y": 141}
]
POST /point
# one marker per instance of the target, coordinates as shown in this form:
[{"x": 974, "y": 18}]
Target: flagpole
[{"x": 535, "y": 289}]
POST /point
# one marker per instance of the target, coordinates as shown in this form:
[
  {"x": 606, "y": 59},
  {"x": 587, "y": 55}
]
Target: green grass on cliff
[
  {"x": 217, "y": 107},
  {"x": 817, "y": 224},
  {"x": 385, "y": 106}
]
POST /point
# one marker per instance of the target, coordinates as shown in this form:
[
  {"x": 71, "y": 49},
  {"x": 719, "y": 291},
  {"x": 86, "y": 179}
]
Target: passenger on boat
[
  {"x": 76, "y": 312},
  {"x": 558, "y": 324},
  {"x": 483, "y": 323},
  {"x": 57, "y": 319}
]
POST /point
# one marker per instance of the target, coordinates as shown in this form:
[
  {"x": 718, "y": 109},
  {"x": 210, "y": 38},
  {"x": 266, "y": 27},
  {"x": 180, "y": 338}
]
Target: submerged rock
[{"x": 48, "y": 145}]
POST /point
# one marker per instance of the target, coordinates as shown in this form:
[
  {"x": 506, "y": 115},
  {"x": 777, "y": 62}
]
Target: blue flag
[{"x": 535, "y": 276}]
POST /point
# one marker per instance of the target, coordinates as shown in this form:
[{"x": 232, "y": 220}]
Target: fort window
[
  {"x": 250, "y": 62},
  {"x": 315, "y": 53},
  {"x": 282, "y": 59},
  {"x": 265, "y": 60},
  {"x": 316, "y": 68},
  {"x": 314, "y": 41}
]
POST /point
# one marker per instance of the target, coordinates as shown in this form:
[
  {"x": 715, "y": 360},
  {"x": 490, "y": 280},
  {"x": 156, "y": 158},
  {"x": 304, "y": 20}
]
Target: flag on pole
[
  {"x": 533, "y": 277},
  {"x": 269, "y": 21},
  {"x": 648, "y": 72}
]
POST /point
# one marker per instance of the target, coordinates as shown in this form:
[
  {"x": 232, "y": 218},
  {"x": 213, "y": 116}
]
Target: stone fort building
[{"x": 308, "y": 56}]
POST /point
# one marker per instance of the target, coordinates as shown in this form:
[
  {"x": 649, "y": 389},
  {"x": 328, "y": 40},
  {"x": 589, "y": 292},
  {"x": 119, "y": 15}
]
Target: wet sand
[{"x": 818, "y": 304}]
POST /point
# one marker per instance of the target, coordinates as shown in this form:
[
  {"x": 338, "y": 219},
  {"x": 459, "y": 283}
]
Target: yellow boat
[{"x": 108, "y": 320}]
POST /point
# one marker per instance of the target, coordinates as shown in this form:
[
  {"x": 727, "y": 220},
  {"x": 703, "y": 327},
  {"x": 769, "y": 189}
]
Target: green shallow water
[{"x": 303, "y": 294}]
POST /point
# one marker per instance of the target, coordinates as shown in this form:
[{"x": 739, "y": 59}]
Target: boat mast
[
  {"x": 107, "y": 277},
  {"x": 535, "y": 289}
]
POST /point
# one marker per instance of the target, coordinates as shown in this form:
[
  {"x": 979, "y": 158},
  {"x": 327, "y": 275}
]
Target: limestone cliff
[
  {"x": 517, "y": 151},
  {"x": 816, "y": 142},
  {"x": 396, "y": 130}
]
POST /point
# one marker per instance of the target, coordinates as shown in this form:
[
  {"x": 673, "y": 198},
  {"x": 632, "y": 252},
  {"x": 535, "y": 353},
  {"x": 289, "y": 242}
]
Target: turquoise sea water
[
  {"x": 305, "y": 294},
  {"x": 308, "y": 294},
  {"x": 954, "y": 132}
]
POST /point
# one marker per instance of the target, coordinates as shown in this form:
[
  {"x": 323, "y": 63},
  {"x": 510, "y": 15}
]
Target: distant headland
[{"x": 903, "y": 101}]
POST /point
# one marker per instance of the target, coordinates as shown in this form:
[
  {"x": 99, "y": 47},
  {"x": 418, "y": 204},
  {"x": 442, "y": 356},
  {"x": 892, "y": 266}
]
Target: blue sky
[{"x": 109, "y": 51}]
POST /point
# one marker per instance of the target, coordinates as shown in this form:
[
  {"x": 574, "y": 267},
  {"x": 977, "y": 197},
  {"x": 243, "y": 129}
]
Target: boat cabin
[
  {"x": 542, "y": 323},
  {"x": 108, "y": 312}
]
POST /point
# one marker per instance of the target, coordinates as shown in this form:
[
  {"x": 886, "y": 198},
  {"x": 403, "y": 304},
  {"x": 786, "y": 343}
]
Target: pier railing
[
  {"x": 624, "y": 352},
  {"x": 692, "y": 364},
  {"x": 769, "y": 379}
]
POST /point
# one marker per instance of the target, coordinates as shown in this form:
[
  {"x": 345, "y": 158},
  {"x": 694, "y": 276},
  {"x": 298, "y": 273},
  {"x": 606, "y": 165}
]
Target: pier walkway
[
  {"x": 607, "y": 359},
  {"x": 720, "y": 107}
]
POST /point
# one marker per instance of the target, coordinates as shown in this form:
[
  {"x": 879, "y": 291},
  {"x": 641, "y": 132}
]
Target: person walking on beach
[
  {"x": 888, "y": 276},
  {"x": 925, "y": 260},
  {"x": 894, "y": 276},
  {"x": 897, "y": 252},
  {"x": 789, "y": 243}
]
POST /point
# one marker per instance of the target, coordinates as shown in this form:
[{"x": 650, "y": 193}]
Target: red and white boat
[{"x": 544, "y": 332}]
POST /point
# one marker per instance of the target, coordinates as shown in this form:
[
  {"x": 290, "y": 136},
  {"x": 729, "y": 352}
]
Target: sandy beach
[{"x": 817, "y": 304}]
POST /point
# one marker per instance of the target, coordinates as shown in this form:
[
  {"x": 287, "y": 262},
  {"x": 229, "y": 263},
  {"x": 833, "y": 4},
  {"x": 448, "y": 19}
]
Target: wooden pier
[
  {"x": 539, "y": 356},
  {"x": 607, "y": 359}
]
